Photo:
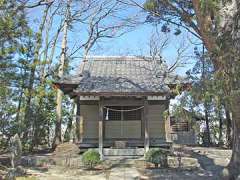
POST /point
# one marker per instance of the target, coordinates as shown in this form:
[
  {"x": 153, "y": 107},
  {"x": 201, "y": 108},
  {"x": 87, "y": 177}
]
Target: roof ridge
[{"x": 102, "y": 58}]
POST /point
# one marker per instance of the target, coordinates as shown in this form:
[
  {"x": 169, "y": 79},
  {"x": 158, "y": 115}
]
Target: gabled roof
[{"x": 120, "y": 75}]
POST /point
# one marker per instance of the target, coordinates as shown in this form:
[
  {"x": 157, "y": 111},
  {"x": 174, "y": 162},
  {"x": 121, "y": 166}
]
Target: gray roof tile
[{"x": 121, "y": 75}]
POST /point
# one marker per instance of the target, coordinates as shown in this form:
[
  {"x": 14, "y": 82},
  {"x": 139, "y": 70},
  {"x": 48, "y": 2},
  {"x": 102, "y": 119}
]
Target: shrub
[
  {"x": 157, "y": 157},
  {"x": 91, "y": 158}
]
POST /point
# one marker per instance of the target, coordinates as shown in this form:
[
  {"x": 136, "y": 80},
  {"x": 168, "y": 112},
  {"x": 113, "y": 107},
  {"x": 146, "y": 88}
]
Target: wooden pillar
[
  {"x": 100, "y": 129},
  {"x": 81, "y": 128},
  {"x": 78, "y": 136},
  {"x": 146, "y": 129},
  {"x": 166, "y": 119}
]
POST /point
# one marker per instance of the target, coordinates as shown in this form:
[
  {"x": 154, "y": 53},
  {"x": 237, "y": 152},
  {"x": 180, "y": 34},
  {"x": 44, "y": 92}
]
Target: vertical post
[
  {"x": 166, "y": 120},
  {"x": 121, "y": 124},
  {"x": 81, "y": 127},
  {"x": 78, "y": 119},
  {"x": 100, "y": 129},
  {"x": 146, "y": 129}
]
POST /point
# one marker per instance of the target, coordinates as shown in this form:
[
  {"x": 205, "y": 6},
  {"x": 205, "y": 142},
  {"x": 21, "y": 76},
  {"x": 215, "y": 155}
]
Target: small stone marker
[{"x": 15, "y": 149}]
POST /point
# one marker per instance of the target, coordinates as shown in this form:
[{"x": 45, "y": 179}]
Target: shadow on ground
[
  {"x": 208, "y": 164},
  {"x": 208, "y": 169}
]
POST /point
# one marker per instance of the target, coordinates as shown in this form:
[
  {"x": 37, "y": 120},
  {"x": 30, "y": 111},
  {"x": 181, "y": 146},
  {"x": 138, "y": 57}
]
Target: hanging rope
[
  {"x": 120, "y": 110},
  {"x": 124, "y": 110}
]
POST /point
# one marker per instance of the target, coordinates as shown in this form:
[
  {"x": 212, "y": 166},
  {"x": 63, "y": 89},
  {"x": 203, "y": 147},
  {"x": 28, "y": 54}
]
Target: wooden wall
[
  {"x": 123, "y": 129},
  {"x": 90, "y": 120},
  {"x": 156, "y": 121},
  {"x": 131, "y": 129}
]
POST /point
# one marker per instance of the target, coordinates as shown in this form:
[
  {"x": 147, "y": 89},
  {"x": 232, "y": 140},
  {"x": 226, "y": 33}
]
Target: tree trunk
[
  {"x": 67, "y": 134},
  {"x": 58, "y": 129},
  {"x": 234, "y": 165},
  {"x": 229, "y": 129},
  {"x": 32, "y": 72},
  {"x": 208, "y": 142},
  {"x": 18, "y": 121},
  {"x": 220, "y": 139}
]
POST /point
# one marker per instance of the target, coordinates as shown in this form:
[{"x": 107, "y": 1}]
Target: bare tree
[
  {"x": 34, "y": 66},
  {"x": 182, "y": 56},
  {"x": 58, "y": 135},
  {"x": 29, "y": 4},
  {"x": 103, "y": 21},
  {"x": 159, "y": 42}
]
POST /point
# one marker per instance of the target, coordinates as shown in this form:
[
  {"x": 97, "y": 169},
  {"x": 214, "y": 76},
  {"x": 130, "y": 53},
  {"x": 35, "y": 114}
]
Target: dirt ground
[{"x": 198, "y": 163}]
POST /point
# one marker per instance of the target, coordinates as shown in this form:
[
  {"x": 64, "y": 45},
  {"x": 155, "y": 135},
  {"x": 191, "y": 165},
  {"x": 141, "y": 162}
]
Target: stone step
[{"x": 123, "y": 152}]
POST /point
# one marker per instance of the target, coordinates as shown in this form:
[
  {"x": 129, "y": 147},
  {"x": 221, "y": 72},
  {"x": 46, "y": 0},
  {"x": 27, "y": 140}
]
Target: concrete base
[{"x": 123, "y": 152}]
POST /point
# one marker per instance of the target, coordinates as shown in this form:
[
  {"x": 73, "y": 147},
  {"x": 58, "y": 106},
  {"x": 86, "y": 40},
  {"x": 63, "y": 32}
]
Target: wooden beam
[
  {"x": 119, "y": 94},
  {"x": 90, "y": 102},
  {"x": 146, "y": 129},
  {"x": 77, "y": 110},
  {"x": 155, "y": 98},
  {"x": 122, "y": 102},
  {"x": 157, "y": 102},
  {"x": 89, "y": 98},
  {"x": 167, "y": 122},
  {"x": 142, "y": 125},
  {"x": 81, "y": 127},
  {"x": 100, "y": 129}
]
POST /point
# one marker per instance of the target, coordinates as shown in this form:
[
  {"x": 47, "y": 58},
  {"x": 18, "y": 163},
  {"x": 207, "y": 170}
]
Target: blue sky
[{"x": 135, "y": 42}]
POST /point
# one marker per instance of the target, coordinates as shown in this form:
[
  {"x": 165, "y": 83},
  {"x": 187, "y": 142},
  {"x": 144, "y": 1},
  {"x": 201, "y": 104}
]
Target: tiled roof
[{"x": 121, "y": 75}]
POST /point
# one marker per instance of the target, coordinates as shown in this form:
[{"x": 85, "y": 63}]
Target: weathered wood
[
  {"x": 89, "y": 98},
  {"x": 90, "y": 102},
  {"x": 122, "y": 129},
  {"x": 118, "y": 94},
  {"x": 122, "y": 102},
  {"x": 168, "y": 129},
  {"x": 78, "y": 135},
  {"x": 131, "y": 142},
  {"x": 146, "y": 129},
  {"x": 90, "y": 115},
  {"x": 156, "y": 123},
  {"x": 158, "y": 102},
  {"x": 81, "y": 125},
  {"x": 142, "y": 125},
  {"x": 155, "y": 98},
  {"x": 100, "y": 129}
]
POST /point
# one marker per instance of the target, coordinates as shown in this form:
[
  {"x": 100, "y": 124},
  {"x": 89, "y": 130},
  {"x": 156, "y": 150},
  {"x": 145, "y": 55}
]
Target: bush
[
  {"x": 91, "y": 158},
  {"x": 157, "y": 157}
]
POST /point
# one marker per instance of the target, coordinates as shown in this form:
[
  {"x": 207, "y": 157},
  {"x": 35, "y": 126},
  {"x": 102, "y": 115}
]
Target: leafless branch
[
  {"x": 25, "y": 4},
  {"x": 193, "y": 30},
  {"x": 157, "y": 44},
  {"x": 98, "y": 27},
  {"x": 181, "y": 57}
]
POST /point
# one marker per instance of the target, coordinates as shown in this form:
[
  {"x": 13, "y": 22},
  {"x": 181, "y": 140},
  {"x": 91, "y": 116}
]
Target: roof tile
[{"x": 121, "y": 74}]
